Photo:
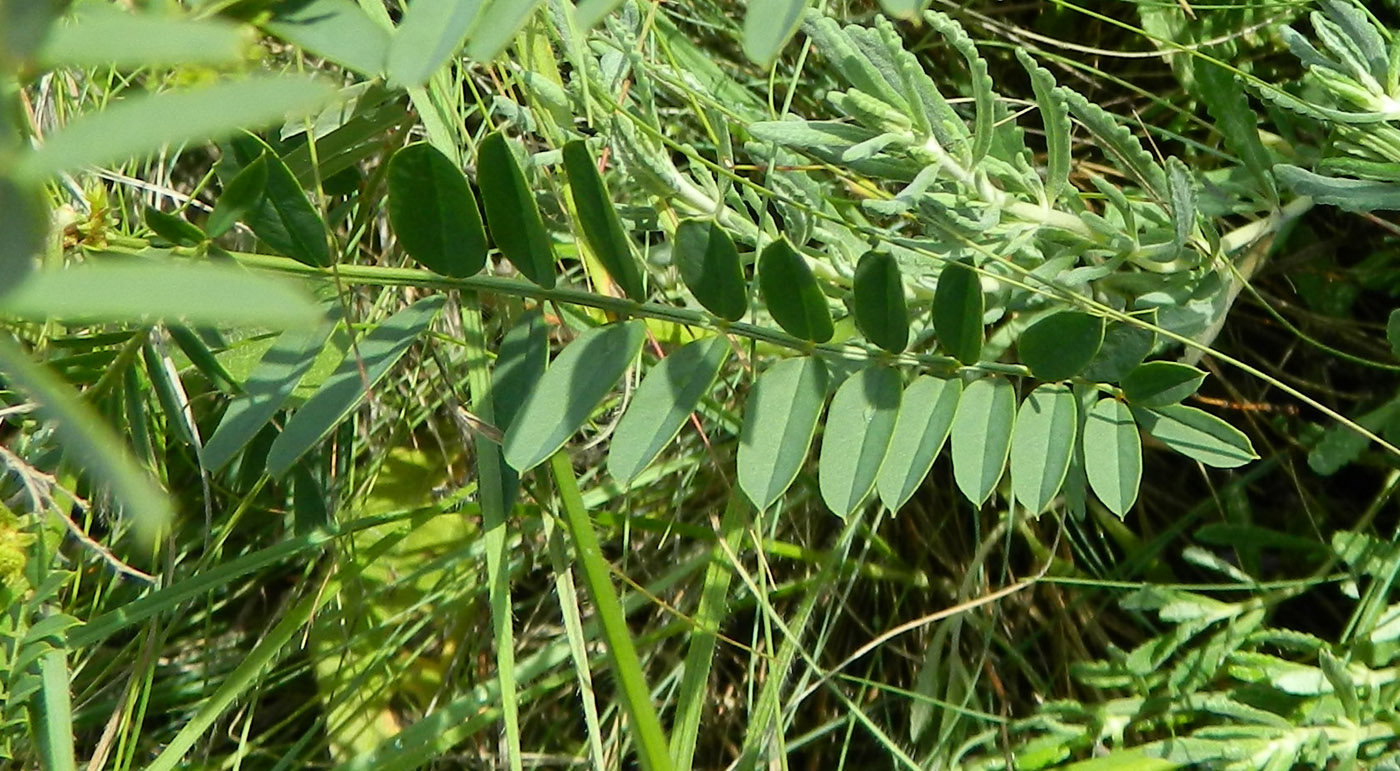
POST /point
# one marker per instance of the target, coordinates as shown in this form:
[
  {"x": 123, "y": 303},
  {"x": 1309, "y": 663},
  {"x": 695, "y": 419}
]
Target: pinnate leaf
[
  {"x": 1041, "y": 445},
  {"x": 859, "y": 425},
  {"x": 578, "y": 380},
  {"x": 780, "y": 419},
  {"x": 982, "y": 429},
  {"x": 791, "y": 293},
  {"x": 925, "y": 417},
  {"x": 433, "y": 212},
  {"x": 878, "y": 302}
]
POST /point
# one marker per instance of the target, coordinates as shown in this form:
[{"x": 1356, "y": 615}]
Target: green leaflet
[
  {"x": 1392, "y": 332},
  {"x": 598, "y": 220},
  {"x": 831, "y": 138},
  {"x": 709, "y": 265},
  {"x": 115, "y": 290},
  {"x": 902, "y": 8},
  {"x": 338, "y": 30},
  {"x": 1041, "y": 445},
  {"x": 520, "y": 363},
  {"x": 429, "y": 34},
  {"x": 877, "y": 300},
  {"x": 1124, "y": 347},
  {"x": 925, "y": 417},
  {"x": 1118, "y": 143},
  {"x": 433, "y": 212},
  {"x": 126, "y": 129},
  {"x": 780, "y": 418},
  {"x": 982, "y": 436},
  {"x": 859, "y": 425},
  {"x": 1197, "y": 434},
  {"x": 1159, "y": 383},
  {"x": 666, "y": 397},
  {"x": 573, "y": 386},
  {"x": 1358, "y": 195},
  {"x": 105, "y": 35},
  {"x": 768, "y": 25},
  {"x": 172, "y": 227},
  {"x": 792, "y": 294},
  {"x": 264, "y": 392},
  {"x": 242, "y": 194},
  {"x": 957, "y": 311},
  {"x": 351, "y": 382},
  {"x": 24, "y": 219},
  {"x": 589, "y": 12},
  {"x": 496, "y": 26},
  {"x": 1055, "y": 117},
  {"x": 1059, "y": 346},
  {"x": 511, "y": 213},
  {"x": 983, "y": 97},
  {"x": 1183, "y": 201},
  {"x": 284, "y": 218}
]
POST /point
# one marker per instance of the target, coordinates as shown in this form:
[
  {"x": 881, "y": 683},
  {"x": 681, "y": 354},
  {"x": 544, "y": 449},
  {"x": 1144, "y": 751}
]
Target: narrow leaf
[
  {"x": 982, "y": 437},
  {"x": 1357, "y": 195},
  {"x": 780, "y": 418},
  {"x": 172, "y": 227},
  {"x": 264, "y": 392},
  {"x": 351, "y": 383},
  {"x": 858, "y": 430},
  {"x": 105, "y": 35},
  {"x": 1159, "y": 383},
  {"x": 768, "y": 26},
  {"x": 117, "y": 289},
  {"x": 88, "y": 444},
  {"x": 242, "y": 195},
  {"x": 431, "y": 32},
  {"x": 877, "y": 301},
  {"x": 516, "y": 226},
  {"x": 496, "y": 26},
  {"x": 925, "y": 417},
  {"x": 666, "y": 397},
  {"x": 573, "y": 386},
  {"x": 283, "y": 217},
  {"x": 598, "y": 220},
  {"x": 1055, "y": 117},
  {"x": 1060, "y": 345},
  {"x": 337, "y": 30},
  {"x": 792, "y": 295},
  {"x": 1041, "y": 445},
  {"x": 1113, "y": 455},
  {"x": 709, "y": 265},
  {"x": 433, "y": 212},
  {"x": 1197, "y": 435},
  {"x": 957, "y": 311},
  {"x": 141, "y": 125},
  {"x": 1236, "y": 121}
]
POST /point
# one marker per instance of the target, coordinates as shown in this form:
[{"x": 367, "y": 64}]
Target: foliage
[{"x": 321, "y": 497}]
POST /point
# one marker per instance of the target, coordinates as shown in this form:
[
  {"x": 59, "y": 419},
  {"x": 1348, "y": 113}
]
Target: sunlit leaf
[
  {"x": 264, "y": 392},
  {"x": 982, "y": 436},
  {"x": 768, "y": 25},
  {"x": 24, "y": 219},
  {"x": 1197, "y": 435},
  {"x": 957, "y": 312},
  {"x": 1159, "y": 383},
  {"x": 666, "y": 397},
  {"x": 877, "y": 300},
  {"x": 570, "y": 390},
  {"x": 430, "y": 33},
  {"x": 105, "y": 35},
  {"x": 597, "y": 218},
  {"x": 141, "y": 125},
  {"x": 514, "y": 220},
  {"x": 792, "y": 294},
  {"x": 116, "y": 289},
  {"x": 350, "y": 385},
  {"x": 433, "y": 212},
  {"x": 1041, "y": 445},
  {"x": 709, "y": 265},
  {"x": 925, "y": 417},
  {"x": 1060, "y": 345},
  {"x": 859, "y": 425},
  {"x": 337, "y": 30},
  {"x": 780, "y": 419},
  {"x": 1113, "y": 455},
  {"x": 496, "y": 26}
]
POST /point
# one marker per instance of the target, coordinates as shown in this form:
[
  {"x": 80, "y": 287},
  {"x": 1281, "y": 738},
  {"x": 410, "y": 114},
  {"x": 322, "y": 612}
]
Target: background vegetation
[{"x": 501, "y": 384}]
